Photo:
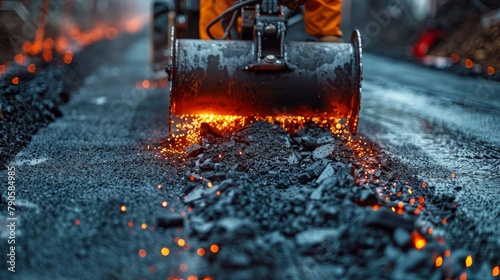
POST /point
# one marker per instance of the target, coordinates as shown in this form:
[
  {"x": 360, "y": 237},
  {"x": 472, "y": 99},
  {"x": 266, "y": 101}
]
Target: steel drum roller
[{"x": 212, "y": 77}]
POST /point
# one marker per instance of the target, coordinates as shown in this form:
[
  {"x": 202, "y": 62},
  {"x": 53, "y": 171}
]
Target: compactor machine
[{"x": 254, "y": 71}]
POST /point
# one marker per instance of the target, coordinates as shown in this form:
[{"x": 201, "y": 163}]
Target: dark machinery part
[
  {"x": 168, "y": 14},
  {"x": 267, "y": 76}
]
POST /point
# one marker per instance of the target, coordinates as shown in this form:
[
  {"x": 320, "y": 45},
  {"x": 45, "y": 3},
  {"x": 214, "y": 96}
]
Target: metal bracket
[{"x": 269, "y": 38}]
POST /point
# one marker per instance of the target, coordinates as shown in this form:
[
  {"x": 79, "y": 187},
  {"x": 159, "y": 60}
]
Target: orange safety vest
[{"x": 321, "y": 17}]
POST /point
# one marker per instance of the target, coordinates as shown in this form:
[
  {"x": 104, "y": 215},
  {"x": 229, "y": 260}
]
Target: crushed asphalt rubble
[
  {"x": 314, "y": 205},
  {"x": 34, "y": 100}
]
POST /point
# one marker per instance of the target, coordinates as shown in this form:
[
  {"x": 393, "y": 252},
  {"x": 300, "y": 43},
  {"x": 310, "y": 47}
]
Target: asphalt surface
[
  {"x": 104, "y": 153},
  {"x": 444, "y": 127},
  {"x": 440, "y": 124}
]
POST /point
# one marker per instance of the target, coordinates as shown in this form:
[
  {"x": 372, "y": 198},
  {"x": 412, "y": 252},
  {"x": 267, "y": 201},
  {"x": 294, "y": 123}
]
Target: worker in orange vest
[{"x": 321, "y": 17}]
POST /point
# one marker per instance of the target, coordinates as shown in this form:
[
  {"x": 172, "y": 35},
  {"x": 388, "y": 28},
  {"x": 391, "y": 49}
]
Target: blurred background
[
  {"x": 441, "y": 33},
  {"x": 41, "y": 27},
  {"x": 436, "y": 32}
]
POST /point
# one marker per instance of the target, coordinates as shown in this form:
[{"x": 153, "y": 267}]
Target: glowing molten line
[{"x": 187, "y": 127}]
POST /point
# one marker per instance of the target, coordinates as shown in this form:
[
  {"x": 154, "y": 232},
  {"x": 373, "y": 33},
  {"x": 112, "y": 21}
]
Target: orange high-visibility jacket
[{"x": 321, "y": 17}]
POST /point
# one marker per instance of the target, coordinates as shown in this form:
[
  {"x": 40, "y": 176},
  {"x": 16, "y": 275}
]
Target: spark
[
  {"x": 418, "y": 240},
  {"x": 68, "y": 57},
  {"x": 468, "y": 261},
  {"x": 200, "y": 252},
  {"x": 181, "y": 242},
  {"x": 495, "y": 271},
  {"x": 491, "y": 70},
  {"x": 439, "y": 261},
  {"x": 142, "y": 253},
  {"x": 146, "y": 84},
  {"x": 214, "y": 248},
  {"x": 31, "y": 68},
  {"x": 123, "y": 208},
  {"x": 165, "y": 251},
  {"x": 421, "y": 200},
  {"x": 468, "y": 63},
  {"x": 20, "y": 59}
]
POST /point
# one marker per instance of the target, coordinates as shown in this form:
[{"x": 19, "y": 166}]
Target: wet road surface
[
  {"x": 76, "y": 174},
  {"x": 445, "y": 128}
]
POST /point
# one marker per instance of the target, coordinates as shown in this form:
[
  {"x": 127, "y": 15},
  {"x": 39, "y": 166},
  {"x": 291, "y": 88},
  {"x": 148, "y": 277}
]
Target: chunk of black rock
[
  {"x": 206, "y": 129},
  {"x": 385, "y": 218},
  {"x": 293, "y": 159},
  {"x": 200, "y": 225},
  {"x": 401, "y": 237},
  {"x": 170, "y": 221},
  {"x": 316, "y": 236},
  {"x": 239, "y": 259},
  {"x": 391, "y": 252},
  {"x": 305, "y": 154},
  {"x": 328, "y": 172},
  {"x": 219, "y": 176},
  {"x": 309, "y": 143},
  {"x": 323, "y": 151},
  {"x": 413, "y": 261},
  {"x": 194, "y": 150},
  {"x": 195, "y": 194},
  {"x": 282, "y": 184},
  {"x": 368, "y": 198},
  {"x": 304, "y": 177},
  {"x": 326, "y": 139},
  {"x": 236, "y": 225},
  {"x": 315, "y": 169}
]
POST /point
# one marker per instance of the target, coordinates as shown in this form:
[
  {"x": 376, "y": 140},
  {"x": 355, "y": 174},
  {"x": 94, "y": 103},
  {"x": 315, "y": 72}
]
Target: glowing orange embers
[
  {"x": 165, "y": 251},
  {"x": 468, "y": 261},
  {"x": 491, "y": 70},
  {"x": 495, "y": 271},
  {"x": 68, "y": 57},
  {"x": 439, "y": 261},
  {"x": 142, "y": 253},
  {"x": 214, "y": 248},
  {"x": 31, "y": 68},
  {"x": 187, "y": 127},
  {"x": 418, "y": 240},
  {"x": 200, "y": 252},
  {"x": 70, "y": 40},
  {"x": 468, "y": 63},
  {"x": 181, "y": 242}
]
